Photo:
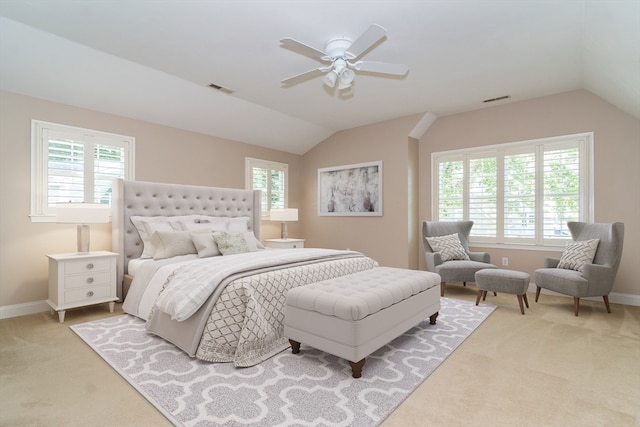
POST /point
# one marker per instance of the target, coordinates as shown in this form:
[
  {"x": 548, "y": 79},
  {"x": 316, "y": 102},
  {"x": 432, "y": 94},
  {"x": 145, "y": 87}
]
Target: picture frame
[{"x": 350, "y": 190}]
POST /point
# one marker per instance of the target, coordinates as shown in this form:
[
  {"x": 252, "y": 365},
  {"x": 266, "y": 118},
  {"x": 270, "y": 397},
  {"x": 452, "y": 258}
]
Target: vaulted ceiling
[{"x": 155, "y": 60}]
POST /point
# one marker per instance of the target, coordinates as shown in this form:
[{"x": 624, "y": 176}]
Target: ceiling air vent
[
  {"x": 500, "y": 98},
  {"x": 220, "y": 88}
]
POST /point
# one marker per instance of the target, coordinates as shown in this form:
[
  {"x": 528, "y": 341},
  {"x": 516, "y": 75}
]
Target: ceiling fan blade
[
  {"x": 370, "y": 37},
  {"x": 304, "y": 76},
  {"x": 382, "y": 67},
  {"x": 303, "y": 48}
]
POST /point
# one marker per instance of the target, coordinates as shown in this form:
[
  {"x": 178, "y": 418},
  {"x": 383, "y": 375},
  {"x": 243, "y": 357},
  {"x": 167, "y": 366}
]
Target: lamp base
[
  {"x": 83, "y": 238},
  {"x": 283, "y": 231}
]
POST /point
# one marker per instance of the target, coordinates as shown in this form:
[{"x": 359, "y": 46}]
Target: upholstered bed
[{"x": 222, "y": 301}]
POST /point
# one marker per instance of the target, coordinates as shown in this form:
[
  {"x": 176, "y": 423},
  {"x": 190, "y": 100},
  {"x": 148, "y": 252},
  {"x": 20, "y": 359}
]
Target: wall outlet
[{"x": 505, "y": 261}]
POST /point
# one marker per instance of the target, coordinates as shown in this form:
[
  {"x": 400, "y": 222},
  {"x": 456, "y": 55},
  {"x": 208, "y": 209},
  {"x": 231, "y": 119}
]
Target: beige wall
[
  {"x": 390, "y": 239},
  {"x": 169, "y": 155},
  {"x": 163, "y": 154},
  {"x": 616, "y": 154}
]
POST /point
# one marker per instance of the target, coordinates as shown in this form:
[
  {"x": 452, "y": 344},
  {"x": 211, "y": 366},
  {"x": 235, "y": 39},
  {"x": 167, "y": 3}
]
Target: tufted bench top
[{"x": 356, "y": 296}]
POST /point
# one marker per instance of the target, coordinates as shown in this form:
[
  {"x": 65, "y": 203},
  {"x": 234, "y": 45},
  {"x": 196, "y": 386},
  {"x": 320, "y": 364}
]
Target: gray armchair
[
  {"x": 595, "y": 279},
  {"x": 453, "y": 270}
]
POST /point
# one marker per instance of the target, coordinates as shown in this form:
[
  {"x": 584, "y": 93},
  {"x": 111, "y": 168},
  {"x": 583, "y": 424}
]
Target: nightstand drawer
[
  {"x": 92, "y": 279},
  {"x": 86, "y": 265},
  {"x": 86, "y": 294}
]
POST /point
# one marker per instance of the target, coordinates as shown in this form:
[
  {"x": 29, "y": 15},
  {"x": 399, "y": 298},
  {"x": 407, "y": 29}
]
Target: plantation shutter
[
  {"x": 482, "y": 196},
  {"x": 520, "y": 195},
  {"x": 271, "y": 179},
  {"x": 561, "y": 188},
  {"x": 75, "y": 165}
]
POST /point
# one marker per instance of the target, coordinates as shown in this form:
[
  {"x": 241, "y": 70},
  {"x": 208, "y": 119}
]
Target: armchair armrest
[
  {"x": 600, "y": 278},
  {"x": 551, "y": 262},
  {"x": 433, "y": 259},
  {"x": 480, "y": 257}
]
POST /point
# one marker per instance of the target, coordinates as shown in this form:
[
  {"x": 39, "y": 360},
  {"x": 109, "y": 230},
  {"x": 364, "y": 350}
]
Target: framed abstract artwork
[{"x": 350, "y": 190}]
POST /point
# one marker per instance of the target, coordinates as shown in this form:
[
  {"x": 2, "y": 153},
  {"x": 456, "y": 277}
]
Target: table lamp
[
  {"x": 82, "y": 214},
  {"x": 283, "y": 215}
]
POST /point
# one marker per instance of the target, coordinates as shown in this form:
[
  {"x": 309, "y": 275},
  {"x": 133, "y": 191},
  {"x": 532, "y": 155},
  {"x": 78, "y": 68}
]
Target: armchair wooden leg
[
  {"x": 576, "y": 305},
  {"x": 606, "y": 302},
  {"x": 537, "y": 293},
  {"x": 520, "y": 303},
  {"x": 442, "y": 285}
]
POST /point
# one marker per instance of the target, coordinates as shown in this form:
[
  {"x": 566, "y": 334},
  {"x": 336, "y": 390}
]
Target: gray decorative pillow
[
  {"x": 172, "y": 243},
  {"x": 577, "y": 254},
  {"x": 205, "y": 245},
  {"x": 448, "y": 246}
]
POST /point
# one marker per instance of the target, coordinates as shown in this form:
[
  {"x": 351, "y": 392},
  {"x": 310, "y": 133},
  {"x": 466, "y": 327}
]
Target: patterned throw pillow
[
  {"x": 449, "y": 247},
  {"x": 577, "y": 254},
  {"x": 230, "y": 243}
]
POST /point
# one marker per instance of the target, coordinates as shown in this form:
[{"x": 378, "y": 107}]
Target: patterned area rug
[{"x": 311, "y": 388}]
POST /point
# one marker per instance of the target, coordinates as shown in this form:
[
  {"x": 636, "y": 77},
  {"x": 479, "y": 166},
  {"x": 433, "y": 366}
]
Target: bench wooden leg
[
  {"x": 433, "y": 317},
  {"x": 356, "y": 368},
  {"x": 295, "y": 346}
]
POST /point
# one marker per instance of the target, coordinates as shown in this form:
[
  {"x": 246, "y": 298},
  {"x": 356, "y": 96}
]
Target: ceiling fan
[{"x": 340, "y": 53}]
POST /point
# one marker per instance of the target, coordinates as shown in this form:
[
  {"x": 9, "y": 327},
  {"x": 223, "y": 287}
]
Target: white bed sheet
[{"x": 148, "y": 280}]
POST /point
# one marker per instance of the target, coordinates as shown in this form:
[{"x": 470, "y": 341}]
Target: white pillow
[
  {"x": 172, "y": 243},
  {"x": 204, "y": 227},
  {"x": 448, "y": 246},
  {"x": 577, "y": 254},
  {"x": 156, "y": 223},
  {"x": 238, "y": 224},
  {"x": 205, "y": 245}
]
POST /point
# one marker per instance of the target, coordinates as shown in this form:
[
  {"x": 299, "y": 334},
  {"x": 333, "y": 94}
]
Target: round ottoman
[{"x": 505, "y": 281}]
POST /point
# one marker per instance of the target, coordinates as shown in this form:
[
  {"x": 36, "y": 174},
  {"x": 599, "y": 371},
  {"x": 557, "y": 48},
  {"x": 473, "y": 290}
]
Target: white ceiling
[{"x": 153, "y": 60}]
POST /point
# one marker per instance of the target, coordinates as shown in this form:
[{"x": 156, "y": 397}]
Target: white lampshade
[
  {"x": 82, "y": 213},
  {"x": 283, "y": 215}
]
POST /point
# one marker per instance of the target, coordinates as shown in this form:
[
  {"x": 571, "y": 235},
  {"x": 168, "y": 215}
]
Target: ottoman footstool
[
  {"x": 352, "y": 316},
  {"x": 505, "y": 281}
]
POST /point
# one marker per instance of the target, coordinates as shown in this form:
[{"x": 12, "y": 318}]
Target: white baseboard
[
  {"x": 614, "y": 297},
  {"x": 16, "y": 310}
]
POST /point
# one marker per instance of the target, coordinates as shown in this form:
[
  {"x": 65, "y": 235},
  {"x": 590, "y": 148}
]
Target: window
[
  {"x": 75, "y": 165},
  {"x": 272, "y": 179},
  {"x": 517, "y": 193}
]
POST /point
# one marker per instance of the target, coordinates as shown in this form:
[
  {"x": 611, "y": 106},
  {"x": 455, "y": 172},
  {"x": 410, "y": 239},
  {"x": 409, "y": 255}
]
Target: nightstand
[
  {"x": 78, "y": 280},
  {"x": 284, "y": 243}
]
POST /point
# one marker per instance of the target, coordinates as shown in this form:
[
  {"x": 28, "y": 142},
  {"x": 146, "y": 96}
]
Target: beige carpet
[{"x": 546, "y": 368}]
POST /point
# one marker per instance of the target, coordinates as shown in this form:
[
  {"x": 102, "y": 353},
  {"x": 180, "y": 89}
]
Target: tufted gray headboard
[{"x": 158, "y": 199}]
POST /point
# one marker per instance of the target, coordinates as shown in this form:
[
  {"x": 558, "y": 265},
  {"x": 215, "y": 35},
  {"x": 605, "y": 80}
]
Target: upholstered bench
[
  {"x": 505, "y": 281},
  {"x": 354, "y": 315}
]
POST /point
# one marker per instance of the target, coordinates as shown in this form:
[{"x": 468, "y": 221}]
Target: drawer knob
[
  {"x": 89, "y": 266},
  {"x": 90, "y": 280},
  {"x": 90, "y": 293}
]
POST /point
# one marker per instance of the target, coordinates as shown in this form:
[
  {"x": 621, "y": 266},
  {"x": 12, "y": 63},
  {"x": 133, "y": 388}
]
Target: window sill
[{"x": 519, "y": 247}]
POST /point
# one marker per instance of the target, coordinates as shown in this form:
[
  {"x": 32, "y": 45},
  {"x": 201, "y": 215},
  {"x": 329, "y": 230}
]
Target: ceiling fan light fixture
[
  {"x": 346, "y": 78},
  {"x": 330, "y": 78}
]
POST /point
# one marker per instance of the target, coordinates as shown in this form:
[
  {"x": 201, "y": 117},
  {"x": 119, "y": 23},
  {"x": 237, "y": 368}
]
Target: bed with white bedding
[{"x": 199, "y": 275}]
